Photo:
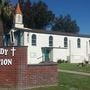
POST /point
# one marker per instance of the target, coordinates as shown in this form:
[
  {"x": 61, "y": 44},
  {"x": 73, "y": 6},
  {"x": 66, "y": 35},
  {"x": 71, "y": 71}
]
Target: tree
[
  {"x": 65, "y": 24},
  {"x": 1, "y": 26},
  {"x": 42, "y": 16},
  {"x": 27, "y": 13},
  {"x": 36, "y": 15},
  {"x": 7, "y": 16}
]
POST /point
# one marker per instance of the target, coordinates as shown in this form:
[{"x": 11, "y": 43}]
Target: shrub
[
  {"x": 60, "y": 61},
  {"x": 66, "y": 61},
  {"x": 86, "y": 62}
]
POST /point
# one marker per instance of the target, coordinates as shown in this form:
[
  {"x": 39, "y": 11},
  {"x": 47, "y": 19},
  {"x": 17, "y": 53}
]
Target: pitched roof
[
  {"x": 52, "y": 32},
  {"x": 18, "y": 9}
]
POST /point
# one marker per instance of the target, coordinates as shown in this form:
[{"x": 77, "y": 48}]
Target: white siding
[{"x": 35, "y": 52}]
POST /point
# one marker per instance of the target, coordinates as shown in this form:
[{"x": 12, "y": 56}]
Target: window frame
[
  {"x": 65, "y": 42},
  {"x": 50, "y": 41},
  {"x": 78, "y": 43},
  {"x": 34, "y": 39}
]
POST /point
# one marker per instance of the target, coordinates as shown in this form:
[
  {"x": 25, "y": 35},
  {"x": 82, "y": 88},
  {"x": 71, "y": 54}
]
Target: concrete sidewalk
[{"x": 74, "y": 72}]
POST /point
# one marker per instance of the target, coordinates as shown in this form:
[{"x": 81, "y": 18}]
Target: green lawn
[
  {"x": 70, "y": 82},
  {"x": 74, "y": 67}
]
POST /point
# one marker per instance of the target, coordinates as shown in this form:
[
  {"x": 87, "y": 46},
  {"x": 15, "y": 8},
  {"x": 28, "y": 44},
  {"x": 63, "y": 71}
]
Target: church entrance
[{"x": 47, "y": 54}]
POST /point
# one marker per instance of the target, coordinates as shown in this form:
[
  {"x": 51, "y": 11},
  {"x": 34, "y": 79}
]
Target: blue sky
[{"x": 78, "y": 9}]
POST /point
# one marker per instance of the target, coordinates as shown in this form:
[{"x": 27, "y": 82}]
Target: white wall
[
  {"x": 83, "y": 51},
  {"x": 35, "y": 52},
  {"x": 59, "y": 54}
]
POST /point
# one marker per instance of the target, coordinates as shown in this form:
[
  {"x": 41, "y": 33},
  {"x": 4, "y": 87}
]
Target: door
[{"x": 46, "y": 54}]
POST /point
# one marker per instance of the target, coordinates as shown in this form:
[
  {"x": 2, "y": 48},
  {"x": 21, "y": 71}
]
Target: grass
[
  {"x": 70, "y": 82},
  {"x": 74, "y": 67}
]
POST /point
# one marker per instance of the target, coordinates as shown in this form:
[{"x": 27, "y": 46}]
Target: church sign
[
  {"x": 15, "y": 72},
  {"x": 5, "y": 52}
]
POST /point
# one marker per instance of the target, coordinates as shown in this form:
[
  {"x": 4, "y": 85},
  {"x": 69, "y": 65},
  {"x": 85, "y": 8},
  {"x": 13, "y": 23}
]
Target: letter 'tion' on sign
[{"x": 5, "y": 61}]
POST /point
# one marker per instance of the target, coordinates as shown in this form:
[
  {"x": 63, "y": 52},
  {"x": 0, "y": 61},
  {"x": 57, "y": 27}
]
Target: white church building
[{"x": 48, "y": 45}]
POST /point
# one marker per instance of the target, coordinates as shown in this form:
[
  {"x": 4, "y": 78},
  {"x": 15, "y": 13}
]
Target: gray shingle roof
[{"x": 53, "y": 32}]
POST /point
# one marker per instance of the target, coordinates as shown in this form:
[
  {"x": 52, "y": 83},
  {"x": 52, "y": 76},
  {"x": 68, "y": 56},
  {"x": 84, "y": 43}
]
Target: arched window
[
  {"x": 33, "y": 40},
  {"x": 78, "y": 43},
  {"x": 65, "y": 42},
  {"x": 50, "y": 41}
]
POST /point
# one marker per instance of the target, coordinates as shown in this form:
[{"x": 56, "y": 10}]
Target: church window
[
  {"x": 65, "y": 42},
  {"x": 78, "y": 43},
  {"x": 50, "y": 41},
  {"x": 33, "y": 40}
]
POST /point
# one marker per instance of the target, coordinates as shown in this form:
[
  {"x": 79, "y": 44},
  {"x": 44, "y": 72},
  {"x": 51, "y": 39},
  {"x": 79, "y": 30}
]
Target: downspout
[{"x": 70, "y": 50}]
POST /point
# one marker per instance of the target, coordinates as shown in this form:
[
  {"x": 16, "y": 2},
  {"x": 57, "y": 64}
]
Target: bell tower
[{"x": 18, "y": 17}]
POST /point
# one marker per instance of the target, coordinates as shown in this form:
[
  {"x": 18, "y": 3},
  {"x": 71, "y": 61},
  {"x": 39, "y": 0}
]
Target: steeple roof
[{"x": 18, "y": 9}]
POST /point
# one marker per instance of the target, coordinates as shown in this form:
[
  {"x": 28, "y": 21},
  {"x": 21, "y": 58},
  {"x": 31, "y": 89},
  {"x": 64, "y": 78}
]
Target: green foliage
[
  {"x": 7, "y": 16},
  {"x": 37, "y": 15},
  {"x": 27, "y": 13},
  {"x": 0, "y": 6},
  {"x": 0, "y": 1},
  {"x": 60, "y": 61},
  {"x": 65, "y": 24}
]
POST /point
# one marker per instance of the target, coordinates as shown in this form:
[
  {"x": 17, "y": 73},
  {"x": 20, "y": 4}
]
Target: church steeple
[
  {"x": 18, "y": 9},
  {"x": 18, "y": 17}
]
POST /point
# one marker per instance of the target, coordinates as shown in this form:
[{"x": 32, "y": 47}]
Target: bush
[
  {"x": 60, "y": 61},
  {"x": 66, "y": 61},
  {"x": 86, "y": 62}
]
